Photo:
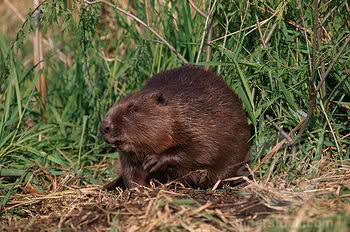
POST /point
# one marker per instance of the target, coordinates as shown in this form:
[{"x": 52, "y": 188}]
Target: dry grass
[{"x": 174, "y": 208}]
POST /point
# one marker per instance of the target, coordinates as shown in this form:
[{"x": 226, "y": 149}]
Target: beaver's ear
[{"x": 160, "y": 99}]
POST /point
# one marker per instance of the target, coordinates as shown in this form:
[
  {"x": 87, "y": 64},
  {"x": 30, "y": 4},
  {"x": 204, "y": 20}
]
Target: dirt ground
[{"x": 252, "y": 207}]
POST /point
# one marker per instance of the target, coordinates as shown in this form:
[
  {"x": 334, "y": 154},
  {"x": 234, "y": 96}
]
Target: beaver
[{"x": 183, "y": 120}]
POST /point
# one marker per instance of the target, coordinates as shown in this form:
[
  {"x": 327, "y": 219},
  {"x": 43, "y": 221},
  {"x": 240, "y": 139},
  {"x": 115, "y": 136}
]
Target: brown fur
[{"x": 184, "y": 119}]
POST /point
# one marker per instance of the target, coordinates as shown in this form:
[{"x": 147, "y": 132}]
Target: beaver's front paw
[{"x": 153, "y": 163}]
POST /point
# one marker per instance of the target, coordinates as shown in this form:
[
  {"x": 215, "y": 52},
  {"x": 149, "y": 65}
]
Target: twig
[
  {"x": 269, "y": 155},
  {"x": 330, "y": 127},
  {"x": 268, "y": 37},
  {"x": 209, "y": 37},
  {"x": 279, "y": 145},
  {"x": 312, "y": 89},
  {"x": 270, "y": 171},
  {"x": 305, "y": 35},
  {"x": 143, "y": 24},
  {"x": 263, "y": 44},
  {"x": 207, "y": 28},
  {"x": 147, "y": 12},
  {"x": 294, "y": 24},
  {"x": 276, "y": 148},
  {"x": 344, "y": 137},
  {"x": 312, "y": 67},
  {"x": 252, "y": 27},
  {"x": 244, "y": 15},
  {"x": 224, "y": 42},
  {"x": 340, "y": 52},
  {"x": 197, "y": 9},
  {"x": 38, "y": 51},
  {"x": 282, "y": 132}
]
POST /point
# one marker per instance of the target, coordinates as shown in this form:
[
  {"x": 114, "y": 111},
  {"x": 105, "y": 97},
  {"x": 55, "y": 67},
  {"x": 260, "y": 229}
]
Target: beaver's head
[{"x": 141, "y": 123}]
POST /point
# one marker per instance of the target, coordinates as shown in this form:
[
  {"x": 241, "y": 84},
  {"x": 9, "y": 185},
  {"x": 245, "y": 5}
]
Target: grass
[{"x": 94, "y": 54}]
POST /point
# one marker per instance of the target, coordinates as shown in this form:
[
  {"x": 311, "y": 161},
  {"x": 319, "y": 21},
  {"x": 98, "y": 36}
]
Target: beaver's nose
[{"x": 106, "y": 126}]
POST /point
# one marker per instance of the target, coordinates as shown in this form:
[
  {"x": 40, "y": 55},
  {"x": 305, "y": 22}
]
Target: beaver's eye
[
  {"x": 131, "y": 109},
  {"x": 160, "y": 99}
]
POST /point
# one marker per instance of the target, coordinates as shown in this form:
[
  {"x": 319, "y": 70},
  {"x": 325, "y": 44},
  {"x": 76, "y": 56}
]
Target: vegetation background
[{"x": 289, "y": 61}]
